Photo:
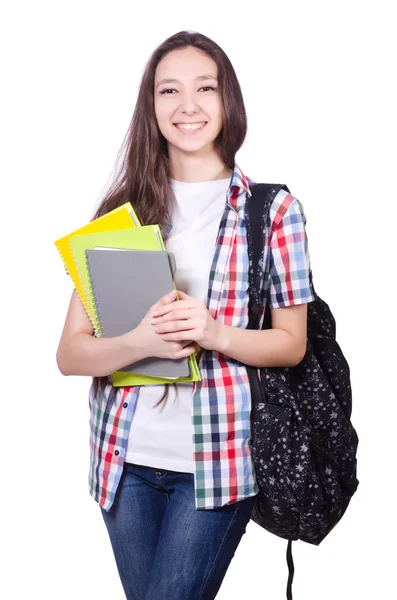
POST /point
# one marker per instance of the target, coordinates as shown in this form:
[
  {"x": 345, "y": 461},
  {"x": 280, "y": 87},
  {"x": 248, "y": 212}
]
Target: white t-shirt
[{"x": 162, "y": 436}]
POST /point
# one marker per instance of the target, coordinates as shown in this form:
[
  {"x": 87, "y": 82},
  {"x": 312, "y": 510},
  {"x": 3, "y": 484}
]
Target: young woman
[{"x": 171, "y": 466}]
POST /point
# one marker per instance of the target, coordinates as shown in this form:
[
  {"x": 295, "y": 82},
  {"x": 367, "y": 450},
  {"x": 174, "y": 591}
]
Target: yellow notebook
[
  {"x": 141, "y": 238},
  {"x": 122, "y": 217}
]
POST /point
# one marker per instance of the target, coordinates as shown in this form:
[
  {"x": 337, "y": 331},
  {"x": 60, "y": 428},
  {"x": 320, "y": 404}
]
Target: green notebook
[{"x": 141, "y": 238}]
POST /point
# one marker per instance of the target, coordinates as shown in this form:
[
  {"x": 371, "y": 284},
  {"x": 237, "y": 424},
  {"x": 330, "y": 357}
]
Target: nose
[{"x": 188, "y": 103}]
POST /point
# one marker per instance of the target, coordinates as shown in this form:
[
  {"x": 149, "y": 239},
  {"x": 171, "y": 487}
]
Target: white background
[{"x": 318, "y": 79}]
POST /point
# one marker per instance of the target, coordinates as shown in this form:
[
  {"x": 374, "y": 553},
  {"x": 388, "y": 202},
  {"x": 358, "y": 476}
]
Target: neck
[{"x": 197, "y": 168}]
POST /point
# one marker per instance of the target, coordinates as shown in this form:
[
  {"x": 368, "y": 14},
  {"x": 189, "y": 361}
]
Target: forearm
[
  {"x": 85, "y": 354},
  {"x": 264, "y": 348}
]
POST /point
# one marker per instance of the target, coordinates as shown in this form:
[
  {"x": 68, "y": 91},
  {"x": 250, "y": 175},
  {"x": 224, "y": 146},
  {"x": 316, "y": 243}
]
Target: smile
[{"x": 190, "y": 128}]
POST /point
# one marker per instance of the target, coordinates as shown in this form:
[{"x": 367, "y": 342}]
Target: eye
[{"x": 209, "y": 87}]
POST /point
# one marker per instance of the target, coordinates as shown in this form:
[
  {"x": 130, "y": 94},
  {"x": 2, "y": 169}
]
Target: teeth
[{"x": 190, "y": 127}]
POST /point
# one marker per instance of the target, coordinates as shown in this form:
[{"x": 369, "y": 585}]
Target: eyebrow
[{"x": 199, "y": 78}]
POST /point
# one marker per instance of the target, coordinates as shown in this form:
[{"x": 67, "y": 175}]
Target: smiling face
[{"x": 192, "y": 97}]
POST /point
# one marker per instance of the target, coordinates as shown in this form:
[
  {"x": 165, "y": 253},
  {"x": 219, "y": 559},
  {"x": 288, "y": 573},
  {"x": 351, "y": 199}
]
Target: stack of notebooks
[{"x": 119, "y": 270}]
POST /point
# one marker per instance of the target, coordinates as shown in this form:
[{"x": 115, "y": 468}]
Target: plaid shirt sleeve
[{"x": 289, "y": 281}]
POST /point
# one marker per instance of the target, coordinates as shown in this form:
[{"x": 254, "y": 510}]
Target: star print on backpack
[{"x": 303, "y": 443}]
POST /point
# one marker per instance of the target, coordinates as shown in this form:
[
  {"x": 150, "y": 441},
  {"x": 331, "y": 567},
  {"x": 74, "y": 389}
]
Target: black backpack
[{"x": 302, "y": 441}]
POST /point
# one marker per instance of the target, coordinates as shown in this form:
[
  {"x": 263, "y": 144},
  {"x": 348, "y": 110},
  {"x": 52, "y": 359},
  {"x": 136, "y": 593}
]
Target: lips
[
  {"x": 196, "y": 123},
  {"x": 194, "y": 131}
]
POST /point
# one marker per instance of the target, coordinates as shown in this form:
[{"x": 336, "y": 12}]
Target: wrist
[
  {"x": 134, "y": 343},
  {"x": 221, "y": 338}
]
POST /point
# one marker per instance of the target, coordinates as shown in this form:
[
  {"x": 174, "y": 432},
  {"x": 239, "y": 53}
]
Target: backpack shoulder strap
[{"x": 256, "y": 215}]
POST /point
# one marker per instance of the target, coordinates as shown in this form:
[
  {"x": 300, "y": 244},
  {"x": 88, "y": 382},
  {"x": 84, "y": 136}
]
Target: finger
[
  {"x": 178, "y": 336},
  {"x": 171, "y": 326},
  {"x": 187, "y": 350},
  {"x": 162, "y": 309},
  {"x": 184, "y": 296},
  {"x": 189, "y": 343},
  {"x": 173, "y": 315},
  {"x": 169, "y": 297}
]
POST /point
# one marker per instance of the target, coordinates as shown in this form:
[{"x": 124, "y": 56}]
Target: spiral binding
[
  {"x": 75, "y": 283},
  {"x": 91, "y": 293},
  {"x": 94, "y": 320}
]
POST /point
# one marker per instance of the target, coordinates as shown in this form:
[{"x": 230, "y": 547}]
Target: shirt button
[
  {"x": 125, "y": 404},
  {"x": 116, "y": 452}
]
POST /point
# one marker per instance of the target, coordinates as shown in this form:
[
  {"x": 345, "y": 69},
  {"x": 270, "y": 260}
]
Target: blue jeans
[{"x": 164, "y": 548}]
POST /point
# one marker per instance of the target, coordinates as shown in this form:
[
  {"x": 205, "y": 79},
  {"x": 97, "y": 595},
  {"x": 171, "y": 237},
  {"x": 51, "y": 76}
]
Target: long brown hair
[{"x": 143, "y": 176}]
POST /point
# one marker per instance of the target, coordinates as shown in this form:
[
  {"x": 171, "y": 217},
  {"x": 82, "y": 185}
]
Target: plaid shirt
[{"x": 224, "y": 470}]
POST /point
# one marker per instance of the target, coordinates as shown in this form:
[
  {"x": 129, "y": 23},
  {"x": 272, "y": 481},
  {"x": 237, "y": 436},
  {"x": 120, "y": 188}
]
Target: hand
[
  {"x": 187, "y": 319},
  {"x": 152, "y": 343}
]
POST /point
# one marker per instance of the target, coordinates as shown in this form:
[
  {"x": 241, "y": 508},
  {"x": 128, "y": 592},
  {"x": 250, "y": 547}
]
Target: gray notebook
[{"x": 126, "y": 283}]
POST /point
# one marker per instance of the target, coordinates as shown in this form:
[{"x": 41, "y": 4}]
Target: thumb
[
  {"x": 183, "y": 296},
  {"x": 167, "y": 298}
]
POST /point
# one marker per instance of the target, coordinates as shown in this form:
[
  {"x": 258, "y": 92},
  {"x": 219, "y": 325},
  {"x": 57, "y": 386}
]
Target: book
[
  {"x": 125, "y": 284},
  {"x": 171, "y": 256},
  {"x": 141, "y": 238},
  {"x": 122, "y": 217},
  {"x": 146, "y": 237}
]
